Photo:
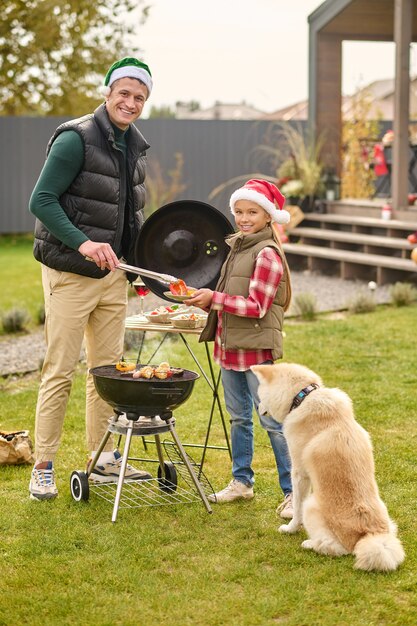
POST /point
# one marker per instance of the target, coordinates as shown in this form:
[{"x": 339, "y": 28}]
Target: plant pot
[
  {"x": 294, "y": 200},
  {"x": 308, "y": 203}
]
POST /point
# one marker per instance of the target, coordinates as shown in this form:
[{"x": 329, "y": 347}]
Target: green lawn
[
  {"x": 64, "y": 562},
  {"x": 20, "y": 277}
]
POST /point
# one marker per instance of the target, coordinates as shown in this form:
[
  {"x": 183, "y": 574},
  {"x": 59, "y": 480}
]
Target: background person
[
  {"x": 89, "y": 203},
  {"x": 245, "y": 322}
]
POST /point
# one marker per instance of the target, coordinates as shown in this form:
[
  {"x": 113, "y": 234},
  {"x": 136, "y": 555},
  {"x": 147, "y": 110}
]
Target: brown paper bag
[
  {"x": 296, "y": 216},
  {"x": 16, "y": 448}
]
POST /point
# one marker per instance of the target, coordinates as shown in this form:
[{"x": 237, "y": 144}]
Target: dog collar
[{"x": 301, "y": 395}]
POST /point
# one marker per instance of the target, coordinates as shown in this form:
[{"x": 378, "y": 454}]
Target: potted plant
[
  {"x": 302, "y": 167},
  {"x": 293, "y": 190},
  {"x": 307, "y": 168}
]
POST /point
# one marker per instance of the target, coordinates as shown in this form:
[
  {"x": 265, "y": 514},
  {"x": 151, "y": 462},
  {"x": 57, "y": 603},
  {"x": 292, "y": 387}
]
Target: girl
[{"x": 246, "y": 313}]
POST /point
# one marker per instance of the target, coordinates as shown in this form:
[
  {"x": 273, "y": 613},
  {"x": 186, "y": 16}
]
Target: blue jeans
[{"x": 241, "y": 395}]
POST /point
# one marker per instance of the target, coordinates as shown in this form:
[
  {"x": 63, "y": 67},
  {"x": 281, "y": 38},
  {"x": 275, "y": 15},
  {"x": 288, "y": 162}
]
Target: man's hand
[{"x": 101, "y": 253}]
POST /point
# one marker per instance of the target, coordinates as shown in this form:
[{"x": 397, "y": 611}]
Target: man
[{"x": 88, "y": 202}]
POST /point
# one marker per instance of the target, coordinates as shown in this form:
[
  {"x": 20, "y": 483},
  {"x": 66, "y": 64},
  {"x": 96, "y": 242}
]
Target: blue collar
[{"x": 301, "y": 395}]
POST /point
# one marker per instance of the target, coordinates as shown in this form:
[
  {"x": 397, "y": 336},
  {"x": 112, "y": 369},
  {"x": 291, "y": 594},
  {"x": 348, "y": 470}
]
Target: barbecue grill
[{"x": 144, "y": 407}]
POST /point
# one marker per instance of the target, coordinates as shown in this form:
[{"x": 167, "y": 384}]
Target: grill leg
[
  {"x": 188, "y": 465},
  {"x": 122, "y": 470},
  {"x": 97, "y": 454},
  {"x": 160, "y": 454}
]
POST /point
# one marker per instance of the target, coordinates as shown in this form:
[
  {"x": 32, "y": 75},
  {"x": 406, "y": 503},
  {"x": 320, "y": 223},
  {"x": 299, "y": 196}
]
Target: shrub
[
  {"x": 15, "y": 320},
  {"x": 132, "y": 340},
  {"x": 41, "y": 314},
  {"x": 363, "y": 302},
  {"x": 163, "y": 188},
  {"x": 403, "y": 294},
  {"x": 305, "y": 305}
]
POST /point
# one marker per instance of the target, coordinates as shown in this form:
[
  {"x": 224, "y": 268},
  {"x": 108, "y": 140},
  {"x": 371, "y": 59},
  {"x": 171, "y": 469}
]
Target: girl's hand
[{"x": 201, "y": 298}]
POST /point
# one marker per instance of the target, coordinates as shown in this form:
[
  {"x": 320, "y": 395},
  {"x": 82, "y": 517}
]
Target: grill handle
[{"x": 172, "y": 391}]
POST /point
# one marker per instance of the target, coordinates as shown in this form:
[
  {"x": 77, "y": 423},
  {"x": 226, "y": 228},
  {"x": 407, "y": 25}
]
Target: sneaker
[
  {"x": 42, "y": 484},
  {"x": 285, "y": 509},
  {"x": 235, "y": 490},
  {"x": 110, "y": 472}
]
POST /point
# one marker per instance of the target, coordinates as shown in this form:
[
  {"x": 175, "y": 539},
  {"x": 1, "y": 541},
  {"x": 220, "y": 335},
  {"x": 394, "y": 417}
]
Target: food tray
[
  {"x": 181, "y": 321},
  {"x": 162, "y": 317},
  {"x": 158, "y": 318}
]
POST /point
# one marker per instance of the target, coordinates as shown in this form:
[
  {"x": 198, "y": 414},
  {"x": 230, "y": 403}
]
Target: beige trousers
[{"x": 77, "y": 308}]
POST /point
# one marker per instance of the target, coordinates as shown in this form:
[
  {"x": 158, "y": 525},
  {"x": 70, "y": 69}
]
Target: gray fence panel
[
  {"x": 214, "y": 151},
  {"x": 22, "y": 154}
]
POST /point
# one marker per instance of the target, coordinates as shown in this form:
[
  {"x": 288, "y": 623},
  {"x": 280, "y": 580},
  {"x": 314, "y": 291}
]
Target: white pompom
[{"x": 104, "y": 91}]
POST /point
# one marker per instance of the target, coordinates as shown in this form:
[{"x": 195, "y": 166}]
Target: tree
[
  {"x": 359, "y": 134},
  {"x": 161, "y": 112},
  {"x": 55, "y": 53}
]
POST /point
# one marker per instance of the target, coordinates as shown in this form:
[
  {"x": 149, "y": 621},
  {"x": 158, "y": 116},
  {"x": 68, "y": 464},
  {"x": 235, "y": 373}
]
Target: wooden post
[
  {"x": 328, "y": 109},
  {"x": 403, "y": 13}
]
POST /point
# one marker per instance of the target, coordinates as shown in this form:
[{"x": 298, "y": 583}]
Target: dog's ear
[{"x": 262, "y": 372}]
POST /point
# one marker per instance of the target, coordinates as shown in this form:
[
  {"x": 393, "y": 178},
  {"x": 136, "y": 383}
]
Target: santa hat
[
  {"x": 129, "y": 67},
  {"x": 267, "y": 195}
]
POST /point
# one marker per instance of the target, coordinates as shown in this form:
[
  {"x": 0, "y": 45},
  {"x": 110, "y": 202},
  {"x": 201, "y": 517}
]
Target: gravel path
[{"x": 24, "y": 354}]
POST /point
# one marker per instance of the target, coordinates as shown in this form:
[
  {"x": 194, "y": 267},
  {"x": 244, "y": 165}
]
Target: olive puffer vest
[
  {"x": 248, "y": 333},
  {"x": 95, "y": 201}
]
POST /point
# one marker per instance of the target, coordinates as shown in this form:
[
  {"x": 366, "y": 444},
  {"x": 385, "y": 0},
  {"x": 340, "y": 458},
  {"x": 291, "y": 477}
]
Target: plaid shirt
[{"x": 262, "y": 289}]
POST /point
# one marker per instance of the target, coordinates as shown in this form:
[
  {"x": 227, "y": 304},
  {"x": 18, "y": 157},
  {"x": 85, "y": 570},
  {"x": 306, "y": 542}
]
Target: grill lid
[{"x": 185, "y": 238}]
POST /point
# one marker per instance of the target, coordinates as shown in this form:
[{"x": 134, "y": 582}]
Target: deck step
[
  {"x": 354, "y": 246},
  {"x": 358, "y": 241},
  {"x": 356, "y": 223},
  {"x": 350, "y": 264}
]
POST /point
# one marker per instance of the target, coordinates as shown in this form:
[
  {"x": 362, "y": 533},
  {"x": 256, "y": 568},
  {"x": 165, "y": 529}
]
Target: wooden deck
[{"x": 354, "y": 246}]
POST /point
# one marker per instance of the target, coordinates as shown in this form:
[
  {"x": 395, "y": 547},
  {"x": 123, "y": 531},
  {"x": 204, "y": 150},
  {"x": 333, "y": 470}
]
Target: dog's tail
[{"x": 380, "y": 552}]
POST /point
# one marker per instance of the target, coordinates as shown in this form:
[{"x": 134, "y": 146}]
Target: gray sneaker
[
  {"x": 235, "y": 490},
  {"x": 285, "y": 509},
  {"x": 110, "y": 472},
  {"x": 42, "y": 484}
]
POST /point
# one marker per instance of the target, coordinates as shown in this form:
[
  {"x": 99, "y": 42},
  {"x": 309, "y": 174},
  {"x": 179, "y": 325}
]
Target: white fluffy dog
[{"x": 335, "y": 495}]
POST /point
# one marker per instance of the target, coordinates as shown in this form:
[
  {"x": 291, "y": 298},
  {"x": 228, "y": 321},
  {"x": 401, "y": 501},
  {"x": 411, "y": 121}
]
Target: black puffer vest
[{"x": 95, "y": 200}]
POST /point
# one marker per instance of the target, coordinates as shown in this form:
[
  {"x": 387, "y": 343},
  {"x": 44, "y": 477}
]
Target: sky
[{"x": 254, "y": 51}]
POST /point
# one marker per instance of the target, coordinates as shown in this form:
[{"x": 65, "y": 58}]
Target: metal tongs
[{"x": 163, "y": 278}]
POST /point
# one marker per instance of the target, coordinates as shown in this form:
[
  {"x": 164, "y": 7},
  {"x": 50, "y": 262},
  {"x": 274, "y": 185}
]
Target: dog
[{"x": 335, "y": 494}]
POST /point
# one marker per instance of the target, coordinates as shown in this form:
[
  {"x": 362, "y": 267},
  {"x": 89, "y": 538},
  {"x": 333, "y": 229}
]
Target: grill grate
[
  {"x": 110, "y": 371},
  {"x": 145, "y": 493},
  {"x": 174, "y": 456}
]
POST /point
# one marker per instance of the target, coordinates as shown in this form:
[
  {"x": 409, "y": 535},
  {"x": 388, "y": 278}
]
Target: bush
[
  {"x": 15, "y": 320},
  {"x": 403, "y": 294},
  {"x": 305, "y": 305},
  {"x": 41, "y": 314},
  {"x": 363, "y": 302},
  {"x": 132, "y": 340}
]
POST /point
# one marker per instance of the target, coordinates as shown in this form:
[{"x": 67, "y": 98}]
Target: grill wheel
[
  {"x": 167, "y": 479},
  {"x": 80, "y": 489}
]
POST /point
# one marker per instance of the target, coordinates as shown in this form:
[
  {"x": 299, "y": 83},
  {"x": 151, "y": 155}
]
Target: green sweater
[{"x": 64, "y": 162}]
